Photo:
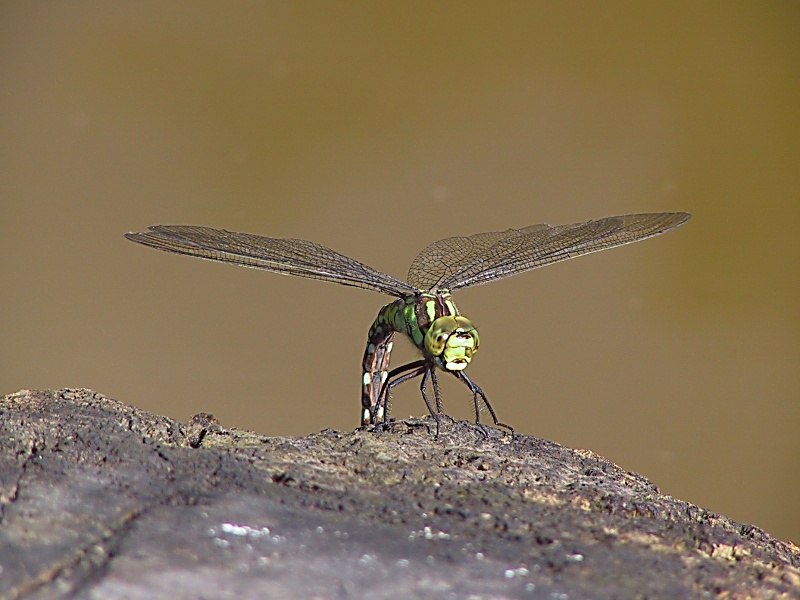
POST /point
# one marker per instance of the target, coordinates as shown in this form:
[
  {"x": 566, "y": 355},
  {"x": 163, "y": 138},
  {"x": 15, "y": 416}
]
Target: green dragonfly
[{"x": 424, "y": 310}]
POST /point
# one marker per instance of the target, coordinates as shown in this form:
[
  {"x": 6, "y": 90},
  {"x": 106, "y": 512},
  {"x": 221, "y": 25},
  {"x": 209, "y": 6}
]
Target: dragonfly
[{"x": 423, "y": 309}]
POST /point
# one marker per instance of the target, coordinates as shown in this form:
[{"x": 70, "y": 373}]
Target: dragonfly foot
[{"x": 508, "y": 428}]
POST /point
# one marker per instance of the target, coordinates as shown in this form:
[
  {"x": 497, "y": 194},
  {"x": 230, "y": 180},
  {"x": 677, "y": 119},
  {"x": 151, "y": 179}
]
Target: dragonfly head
[{"x": 453, "y": 341}]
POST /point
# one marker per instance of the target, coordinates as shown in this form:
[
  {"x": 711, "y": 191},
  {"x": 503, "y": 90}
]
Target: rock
[{"x": 102, "y": 500}]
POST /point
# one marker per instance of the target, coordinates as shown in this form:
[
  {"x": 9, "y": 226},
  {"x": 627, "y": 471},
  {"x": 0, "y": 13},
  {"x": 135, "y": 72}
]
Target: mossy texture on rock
[{"x": 102, "y": 500}]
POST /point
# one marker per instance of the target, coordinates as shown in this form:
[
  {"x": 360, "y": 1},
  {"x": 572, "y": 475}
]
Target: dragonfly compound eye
[{"x": 454, "y": 339}]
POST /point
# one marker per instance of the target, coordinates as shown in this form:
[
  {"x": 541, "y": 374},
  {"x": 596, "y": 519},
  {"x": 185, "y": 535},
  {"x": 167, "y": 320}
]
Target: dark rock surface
[{"x": 101, "y": 500}]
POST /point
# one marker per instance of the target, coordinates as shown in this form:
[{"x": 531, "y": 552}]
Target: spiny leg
[
  {"x": 396, "y": 377},
  {"x": 477, "y": 391},
  {"x": 436, "y": 392},
  {"x": 429, "y": 373}
]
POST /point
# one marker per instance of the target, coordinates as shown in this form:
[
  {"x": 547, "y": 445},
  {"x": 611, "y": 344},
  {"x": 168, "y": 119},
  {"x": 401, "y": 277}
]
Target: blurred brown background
[{"x": 377, "y": 129}]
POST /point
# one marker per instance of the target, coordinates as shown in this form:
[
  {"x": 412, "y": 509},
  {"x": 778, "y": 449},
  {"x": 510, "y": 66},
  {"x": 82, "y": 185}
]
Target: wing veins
[
  {"x": 286, "y": 256},
  {"x": 460, "y": 262}
]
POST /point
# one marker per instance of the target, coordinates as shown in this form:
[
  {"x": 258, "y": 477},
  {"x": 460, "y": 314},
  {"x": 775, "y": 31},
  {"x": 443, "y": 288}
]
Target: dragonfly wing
[
  {"x": 443, "y": 260},
  {"x": 460, "y": 262},
  {"x": 280, "y": 255}
]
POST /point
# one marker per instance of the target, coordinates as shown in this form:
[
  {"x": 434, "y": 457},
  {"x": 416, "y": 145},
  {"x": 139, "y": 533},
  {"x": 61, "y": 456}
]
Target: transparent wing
[
  {"x": 279, "y": 255},
  {"x": 460, "y": 262}
]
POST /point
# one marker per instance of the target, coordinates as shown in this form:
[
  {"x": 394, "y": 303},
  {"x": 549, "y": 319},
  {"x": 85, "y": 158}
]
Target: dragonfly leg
[
  {"x": 395, "y": 377},
  {"x": 436, "y": 392},
  {"x": 429, "y": 373},
  {"x": 478, "y": 392}
]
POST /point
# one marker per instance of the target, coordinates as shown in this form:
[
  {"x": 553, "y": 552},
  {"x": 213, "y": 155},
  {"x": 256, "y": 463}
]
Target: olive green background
[{"x": 375, "y": 129}]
